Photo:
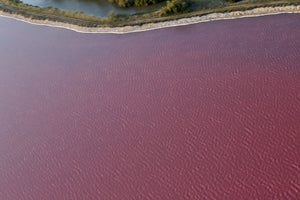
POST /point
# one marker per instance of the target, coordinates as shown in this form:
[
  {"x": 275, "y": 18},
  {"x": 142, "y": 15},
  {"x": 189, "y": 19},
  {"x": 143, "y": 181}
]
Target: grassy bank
[{"x": 197, "y": 8}]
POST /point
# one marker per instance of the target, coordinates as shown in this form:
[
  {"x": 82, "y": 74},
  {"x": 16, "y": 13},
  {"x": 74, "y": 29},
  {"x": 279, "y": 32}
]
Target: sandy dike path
[{"x": 152, "y": 26}]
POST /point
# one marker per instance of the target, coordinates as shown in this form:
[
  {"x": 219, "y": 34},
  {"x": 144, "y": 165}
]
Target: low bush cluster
[
  {"x": 233, "y": 1},
  {"x": 137, "y": 3},
  {"x": 173, "y": 7}
]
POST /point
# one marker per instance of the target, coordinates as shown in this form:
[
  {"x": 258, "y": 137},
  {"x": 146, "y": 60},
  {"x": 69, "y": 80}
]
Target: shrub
[
  {"x": 174, "y": 6},
  {"x": 233, "y": 1},
  {"x": 137, "y": 3}
]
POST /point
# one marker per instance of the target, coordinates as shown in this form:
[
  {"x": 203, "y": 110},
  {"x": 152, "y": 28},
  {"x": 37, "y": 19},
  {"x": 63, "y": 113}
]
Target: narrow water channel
[{"x": 98, "y": 8}]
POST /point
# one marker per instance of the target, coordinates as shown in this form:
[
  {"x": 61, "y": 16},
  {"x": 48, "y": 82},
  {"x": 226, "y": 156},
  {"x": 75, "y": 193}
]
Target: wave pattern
[{"x": 206, "y": 111}]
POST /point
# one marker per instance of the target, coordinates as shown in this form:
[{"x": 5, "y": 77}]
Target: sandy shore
[{"x": 152, "y": 26}]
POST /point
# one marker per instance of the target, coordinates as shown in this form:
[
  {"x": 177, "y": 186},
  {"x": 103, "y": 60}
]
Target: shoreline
[{"x": 153, "y": 26}]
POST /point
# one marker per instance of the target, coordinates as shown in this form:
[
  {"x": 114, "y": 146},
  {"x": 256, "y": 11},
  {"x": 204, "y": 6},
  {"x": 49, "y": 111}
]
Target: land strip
[{"x": 90, "y": 26}]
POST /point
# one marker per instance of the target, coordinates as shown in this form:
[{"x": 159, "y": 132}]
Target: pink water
[{"x": 207, "y": 111}]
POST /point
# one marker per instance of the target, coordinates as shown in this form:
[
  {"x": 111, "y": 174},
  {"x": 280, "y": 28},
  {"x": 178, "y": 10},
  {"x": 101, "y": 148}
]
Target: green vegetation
[
  {"x": 138, "y": 3},
  {"x": 233, "y": 1},
  {"x": 173, "y": 9},
  {"x": 172, "y": 6}
]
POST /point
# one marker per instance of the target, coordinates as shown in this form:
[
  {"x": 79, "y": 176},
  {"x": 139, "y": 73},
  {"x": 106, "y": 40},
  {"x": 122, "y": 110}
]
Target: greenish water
[{"x": 98, "y": 8}]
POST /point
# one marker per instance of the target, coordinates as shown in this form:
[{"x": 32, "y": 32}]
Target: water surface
[
  {"x": 206, "y": 111},
  {"x": 98, "y": 8}
]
